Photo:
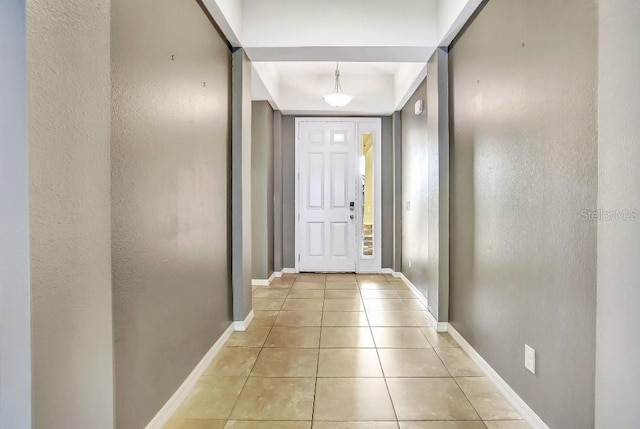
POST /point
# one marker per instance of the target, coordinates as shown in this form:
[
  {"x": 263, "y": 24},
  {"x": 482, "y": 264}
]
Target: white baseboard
[
  {"x": 396, "y": 274},
  {"x": 277, "y": 274},
  {"x": 289, "y": 271},
  {"x": 263, "y": 282},
  {"x": 440, "y": 326},
  {"x": 244, "y": 324},
  {"x": 516, "y": 401},
  {"x": 180, "y": 395},
  {"x": 386, "y": 271}
]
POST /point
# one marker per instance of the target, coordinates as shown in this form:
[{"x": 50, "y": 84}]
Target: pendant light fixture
[{"x": 337, "y": 98}]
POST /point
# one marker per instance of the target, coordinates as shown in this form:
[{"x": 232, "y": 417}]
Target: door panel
[{"x": 327, "y": 187}]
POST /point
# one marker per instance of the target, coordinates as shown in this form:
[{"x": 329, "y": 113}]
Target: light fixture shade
[{"x": 338, "y": 99}]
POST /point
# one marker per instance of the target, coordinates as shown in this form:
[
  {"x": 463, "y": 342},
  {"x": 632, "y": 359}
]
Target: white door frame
[{"x": 364, "y": 264}]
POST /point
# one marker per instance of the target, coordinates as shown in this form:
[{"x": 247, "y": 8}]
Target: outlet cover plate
[{"x": 530, "y": 359}]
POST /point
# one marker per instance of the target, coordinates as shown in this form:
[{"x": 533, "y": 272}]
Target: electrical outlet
[
  {"x": 530, "y": 359},
  {"x": 410, "y": 262}
]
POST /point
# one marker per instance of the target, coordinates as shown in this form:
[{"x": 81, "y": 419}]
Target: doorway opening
[{"x": 338, "y": 190}]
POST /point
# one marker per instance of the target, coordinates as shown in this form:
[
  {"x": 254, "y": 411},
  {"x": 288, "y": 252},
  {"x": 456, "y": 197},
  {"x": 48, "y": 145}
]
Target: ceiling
[{"x": 382, "y": 47}]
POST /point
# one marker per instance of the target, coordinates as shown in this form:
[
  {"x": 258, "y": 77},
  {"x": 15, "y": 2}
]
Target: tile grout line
[
  {"x": 235, "y": 403},
  {"x": 393, "y": 406}
]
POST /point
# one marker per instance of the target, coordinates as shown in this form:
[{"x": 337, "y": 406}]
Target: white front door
[{"x": 327, "y": 196}]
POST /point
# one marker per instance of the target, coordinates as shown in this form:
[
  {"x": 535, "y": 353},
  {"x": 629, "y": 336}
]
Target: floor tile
[
  {"x": 391, "y": 318},
  {"x": 371, "y": 278},
  {"x": 458, "y": 363},
  {"x": 442, "y": 425},
  {"x": 352, "y": 399},
  {"x": 508, "y": 424},
  {"x": 346, "y": 337},
  {"x": 286, "y": 363},
  {"x": 489, "y": 402},
  {"x": 293, "y": 337},
  {"x": 439, "y": 339},
  {"x": 264, "y": 318},
  {"x": 252, "y": 337},
  {"x": 384, "y": 305},
  {"x": 342, "y": 285},
  {"x": 233, "y": 361},
  {"x": 266, "y": 292},
  {"x": 430, "y": 399},
  {"x": 380, "y": 294},
  {"x": 400, "y": 338},
  {"x": 299, "y": 318},
  {"x": 339, "y": 277},
  {"x": 390, "y": 278},
  {"x": 375, "y": 286},
  {"x": 412, "y": 363},
  {"x": 212, "y": 398},
  {"x": 282, "y": 283},
  {"x": 306, "y": 293},
  {"x": 400, "y": 285},
  {"x": 349, "y": 363},
  {"x": 181, "y": 423},
  {"x": 235, "y": 424},
  {"x": 275, "y": 399},
  {"x": 414, "y": 304},
  {"x": 345, "y": 318},
  {"x": 421, "y": 317},
  {"x": 343, "y": 305},
  {"x": 308, "y": 285},
  {"x": 267, "y": 303},
  {"x": 355, "y": 425},
  {"x": 311, "y": 277},
  {"x": 303, "y": 305},
  {"x": 405, "y": 294},
  {"x": 342, "y": 294}
]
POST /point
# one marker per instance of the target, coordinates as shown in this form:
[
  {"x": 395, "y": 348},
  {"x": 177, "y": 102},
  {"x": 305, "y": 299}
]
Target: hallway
[{"x": 342, "y": 351}]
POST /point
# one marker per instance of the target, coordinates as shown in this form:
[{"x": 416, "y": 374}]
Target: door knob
[{"x": 351, "y": 216}]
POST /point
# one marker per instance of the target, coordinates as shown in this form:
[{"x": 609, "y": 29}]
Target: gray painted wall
[
  {"x": 277, "y": 191},
  {"x": 397, "y": 191},
  {"x": 262, "y": 167},
  {"x": 288, "y": 191},
  {"x": 415, "y": 193},
  {"x": 171, "y": 199},
  {"x": 387, "y": 192},
  {"x": 69, "y": 94},
  {"x": 241, "y": 184},
  {"x": 15, "y": 311},
  {"x": 618, "y": 342},
  {"x": 524, "y": 167},
  {"x": 425, "y": 187}
]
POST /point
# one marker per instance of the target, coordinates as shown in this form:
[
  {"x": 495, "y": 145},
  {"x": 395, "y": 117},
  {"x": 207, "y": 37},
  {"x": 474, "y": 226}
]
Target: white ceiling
[{"x": 382, "y": 46}]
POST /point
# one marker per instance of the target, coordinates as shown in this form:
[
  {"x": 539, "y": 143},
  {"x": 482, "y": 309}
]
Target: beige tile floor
[{"x": 340, "y": 351}]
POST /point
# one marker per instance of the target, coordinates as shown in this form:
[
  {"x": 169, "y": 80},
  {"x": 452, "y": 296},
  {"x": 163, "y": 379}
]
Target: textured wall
[
  {"x": 425, "y": 187},
  {"x": 72, "y": 343},
  {"x": 289, "y": 188},
  {"x": 387, "y": 192},
  {"x": 241, "y": 184},
  {"x": 262, "y": 167},
  {"x": 15, "y": 308},
  {"x": 171, "y": 199},
  {"x": 396, "y": 124},
  {"x": 524, "y": 167},
  {"x": 289, "y": 191},
  {"x": 618, "y": 342},
  {"x": 415, "y": 219},
  {"x": 277, "y": 191}
]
